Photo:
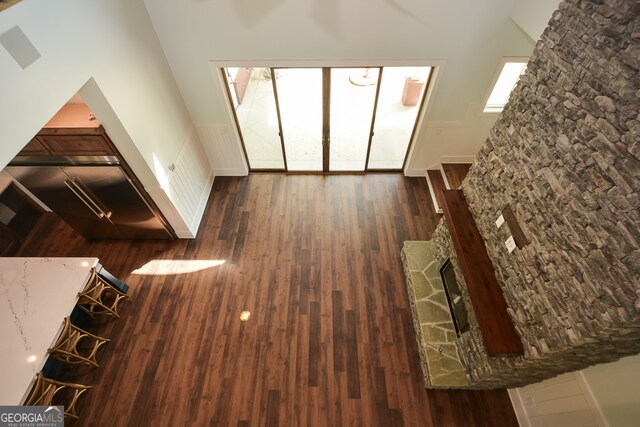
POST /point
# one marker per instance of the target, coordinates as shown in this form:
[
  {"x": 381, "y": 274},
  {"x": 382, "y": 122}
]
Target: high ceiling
[{"x": 471, "y": 37}]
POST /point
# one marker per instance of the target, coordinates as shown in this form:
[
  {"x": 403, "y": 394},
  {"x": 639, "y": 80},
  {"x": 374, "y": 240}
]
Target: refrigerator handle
[
  {"x": 75, "y": 189},
  {"x": 100, "y": 207}
]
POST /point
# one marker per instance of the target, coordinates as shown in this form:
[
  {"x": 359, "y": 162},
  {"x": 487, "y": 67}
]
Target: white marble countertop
[{"x": 35, "y": 296}]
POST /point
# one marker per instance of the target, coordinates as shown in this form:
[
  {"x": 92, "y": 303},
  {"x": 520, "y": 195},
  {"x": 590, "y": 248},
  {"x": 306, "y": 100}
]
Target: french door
[{"x": 326, "y": 119}]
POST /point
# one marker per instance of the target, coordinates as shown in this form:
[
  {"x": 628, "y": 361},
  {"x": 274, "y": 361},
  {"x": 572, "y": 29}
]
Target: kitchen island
[{"x": 36, "y": 294}]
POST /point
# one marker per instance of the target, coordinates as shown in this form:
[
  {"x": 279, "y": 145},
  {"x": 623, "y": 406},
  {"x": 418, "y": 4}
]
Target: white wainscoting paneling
[
  {"x": 189, "y": 183},
  {"x": 223, "y": 148},
  {"x": 563, "y": 401}
]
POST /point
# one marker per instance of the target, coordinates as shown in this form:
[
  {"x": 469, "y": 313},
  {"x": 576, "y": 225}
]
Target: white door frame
[{"x": 437, "y": 65}]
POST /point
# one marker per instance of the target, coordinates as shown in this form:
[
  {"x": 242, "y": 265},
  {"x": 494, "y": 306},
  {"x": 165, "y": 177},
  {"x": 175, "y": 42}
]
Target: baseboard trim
[
  {"x": 413, "y": 173},
  {"x": 444, "y": 178},
  {"x": 230, "y": 172},
  {"x": 202, "y": 205},
  {"x": 457, "y": 159},
  {"x": 436, "y": 205},
  {"x": 518, "y": 407}
]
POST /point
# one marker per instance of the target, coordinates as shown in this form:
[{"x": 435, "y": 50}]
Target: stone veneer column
[{"x": 565, "y": 155}]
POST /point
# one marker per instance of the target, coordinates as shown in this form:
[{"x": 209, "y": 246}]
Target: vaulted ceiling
[{"x": 470, "y": 37}]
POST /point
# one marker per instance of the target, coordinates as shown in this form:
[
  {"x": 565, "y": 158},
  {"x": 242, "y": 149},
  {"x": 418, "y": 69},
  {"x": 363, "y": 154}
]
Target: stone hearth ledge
[{"x": 435, "y": 332}]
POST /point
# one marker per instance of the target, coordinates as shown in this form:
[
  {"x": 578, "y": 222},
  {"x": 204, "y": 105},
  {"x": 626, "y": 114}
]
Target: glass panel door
[
  {"x": 327, "y": 119},
  {"x": 401, "y": 93},
  {"x": 251, "y": 90},
  {"x": 299, "y": 92},
  {"x": 353, "y": 94}
]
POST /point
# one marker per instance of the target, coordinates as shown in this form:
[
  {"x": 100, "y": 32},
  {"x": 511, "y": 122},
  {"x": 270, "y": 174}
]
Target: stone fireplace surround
[{"x": 565, "y": 155}]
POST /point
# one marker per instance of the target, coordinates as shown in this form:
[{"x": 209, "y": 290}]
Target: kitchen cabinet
[
  {"x": 70, "y": 142},
  {"x": 80, "y": 175},
  {"x": 34, "y": 148}
]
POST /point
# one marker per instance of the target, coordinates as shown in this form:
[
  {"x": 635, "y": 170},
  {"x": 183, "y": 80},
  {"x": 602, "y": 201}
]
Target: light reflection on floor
[{"x": 164, "y": 267}]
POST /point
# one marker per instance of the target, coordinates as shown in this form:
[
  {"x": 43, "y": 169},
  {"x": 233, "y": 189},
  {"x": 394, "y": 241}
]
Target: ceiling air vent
[{"x": 19, "y": 47}]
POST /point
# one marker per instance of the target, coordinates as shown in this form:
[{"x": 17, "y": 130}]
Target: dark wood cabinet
[
  {"x": 51, "y": 143},
  {"x": 76, "y": 145},
  {"x": 69, "y": 142},
  {"x": 34, "y": 148}
]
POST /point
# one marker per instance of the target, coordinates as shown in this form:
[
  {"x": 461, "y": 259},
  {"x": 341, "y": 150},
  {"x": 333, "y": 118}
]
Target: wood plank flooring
[
  {"x": 456, "y": 173},
  {"x": 316, "y": 260}
]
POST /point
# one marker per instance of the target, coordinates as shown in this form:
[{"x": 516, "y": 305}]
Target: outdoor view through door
[{"x": 327, "y": 119}]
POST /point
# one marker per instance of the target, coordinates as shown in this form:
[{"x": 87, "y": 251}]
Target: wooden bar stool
[
  {"x": 99, "y": 297},
  {"x": 66, "y": 347},
  {"x": 48, "y": 392}
]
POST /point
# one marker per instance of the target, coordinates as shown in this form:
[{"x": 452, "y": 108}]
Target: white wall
[
  {"x": 565, "y": 400},
  {"x": 533, "y": 16},
  {"x": 470, "y": 36},
  {"x": 113, "y": 44},
  {"x": 606, "y": 395},
  {"x": 616, "y": 387}
]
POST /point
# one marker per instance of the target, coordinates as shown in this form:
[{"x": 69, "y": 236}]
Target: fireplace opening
[{"x": 454, "y": 298}]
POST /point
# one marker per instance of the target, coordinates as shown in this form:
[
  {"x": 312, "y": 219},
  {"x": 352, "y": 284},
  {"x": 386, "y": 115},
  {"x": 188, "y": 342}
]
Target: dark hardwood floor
[
  {"x": 456, "y": 173},
  {"x": 330, "y": 342}
]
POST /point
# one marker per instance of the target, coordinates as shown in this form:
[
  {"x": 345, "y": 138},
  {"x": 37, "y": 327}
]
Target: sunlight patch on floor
[{"x": 164, "y": 267}]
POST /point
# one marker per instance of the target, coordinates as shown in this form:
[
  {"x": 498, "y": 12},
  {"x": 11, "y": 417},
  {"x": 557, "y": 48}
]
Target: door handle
[
  {"x": 100, "y": 207},
  {"x": 80, "y": 194}
]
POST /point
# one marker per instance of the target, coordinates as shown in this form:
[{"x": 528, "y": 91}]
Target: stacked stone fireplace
[{"x": 565, "y": 156}]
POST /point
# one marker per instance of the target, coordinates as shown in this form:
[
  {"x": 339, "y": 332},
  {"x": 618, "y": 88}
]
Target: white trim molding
[
  {"x": 565, "y": 400},
  {"x": 189, "y": 182},
  {"x": 224, "y": 149}
]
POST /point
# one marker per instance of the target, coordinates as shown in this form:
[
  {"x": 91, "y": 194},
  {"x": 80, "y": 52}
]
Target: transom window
[{"x": 509, "y": 76}]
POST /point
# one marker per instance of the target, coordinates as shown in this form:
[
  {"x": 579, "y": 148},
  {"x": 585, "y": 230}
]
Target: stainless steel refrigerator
[{"x": 93, "y": 194}]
